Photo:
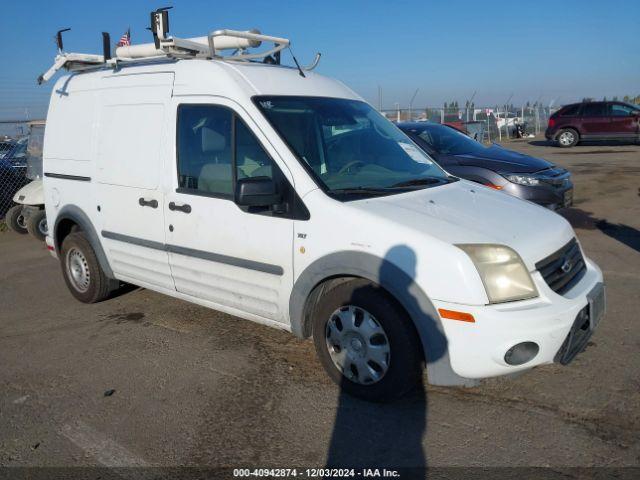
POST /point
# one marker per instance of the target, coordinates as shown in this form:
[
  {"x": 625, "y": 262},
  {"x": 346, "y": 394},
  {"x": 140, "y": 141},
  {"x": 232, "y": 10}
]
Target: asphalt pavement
[{"x": 147, "y": 380}]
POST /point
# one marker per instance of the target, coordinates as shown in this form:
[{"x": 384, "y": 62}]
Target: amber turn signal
[{"x": 453, "y": 315}]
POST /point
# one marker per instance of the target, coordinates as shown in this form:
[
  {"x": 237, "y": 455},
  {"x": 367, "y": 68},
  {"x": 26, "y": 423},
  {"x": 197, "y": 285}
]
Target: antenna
[{"x": 59, "y": 39}]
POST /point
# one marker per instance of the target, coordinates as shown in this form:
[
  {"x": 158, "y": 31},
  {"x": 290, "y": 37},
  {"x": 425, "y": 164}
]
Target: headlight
[
  {"x": 523, "y": 180},
  {"x": 502, "y": 271}
]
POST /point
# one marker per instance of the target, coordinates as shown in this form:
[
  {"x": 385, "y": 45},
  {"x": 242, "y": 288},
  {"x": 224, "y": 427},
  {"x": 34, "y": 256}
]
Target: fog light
[{"x": 521, "y": 353}]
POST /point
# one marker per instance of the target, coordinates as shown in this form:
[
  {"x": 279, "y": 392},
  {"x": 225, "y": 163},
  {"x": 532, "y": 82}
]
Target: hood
[
  {"x": 465, "y": 212},
  {"x": 500, "y": 159}
]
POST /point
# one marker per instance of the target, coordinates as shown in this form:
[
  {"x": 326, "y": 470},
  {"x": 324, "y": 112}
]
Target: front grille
[{"x": 564, "y": 268}]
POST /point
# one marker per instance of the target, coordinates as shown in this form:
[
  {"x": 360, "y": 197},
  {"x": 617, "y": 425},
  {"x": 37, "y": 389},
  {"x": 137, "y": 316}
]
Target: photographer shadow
[{"x": 375, "y": 435}]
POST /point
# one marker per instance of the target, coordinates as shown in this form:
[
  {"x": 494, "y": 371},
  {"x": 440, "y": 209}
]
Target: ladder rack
[{"x": 211, "y": 46}]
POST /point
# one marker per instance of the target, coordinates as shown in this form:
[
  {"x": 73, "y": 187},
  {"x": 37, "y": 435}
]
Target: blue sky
[{"x": 562, "y": 50}]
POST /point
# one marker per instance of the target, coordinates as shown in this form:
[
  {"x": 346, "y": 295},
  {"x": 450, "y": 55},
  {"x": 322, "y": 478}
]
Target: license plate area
[
  {"x": 597, "y": 305},
  {"x": 583, "y": 326}
]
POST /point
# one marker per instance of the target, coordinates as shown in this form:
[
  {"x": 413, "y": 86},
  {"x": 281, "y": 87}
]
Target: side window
[
  {"x": 205, "y": 149},
  {"x": 594, "y": 110},
  {"x": 618, "y": 110},
  {"x": 251, "y": 159},
  {"x": 215, "y": 148},
  {"x": 570, "y": 111}
]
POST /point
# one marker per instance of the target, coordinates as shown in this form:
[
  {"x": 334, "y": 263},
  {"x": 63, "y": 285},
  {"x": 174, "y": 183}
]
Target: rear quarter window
[{"x": 570, "y": 111}]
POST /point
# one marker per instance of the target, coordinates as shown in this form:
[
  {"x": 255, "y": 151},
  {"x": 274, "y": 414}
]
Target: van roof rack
[{"x": 211, "y": 46}]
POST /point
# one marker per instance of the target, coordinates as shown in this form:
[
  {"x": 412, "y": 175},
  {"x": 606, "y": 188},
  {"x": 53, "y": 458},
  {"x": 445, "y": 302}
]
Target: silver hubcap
[
  {"x": 21, "y": 221},
  {"x": 42, "y": 226},
  {"x": 78, "y": 270},
  {"x": 566, "y": 138},
  {"x": 358, "y": 345}
]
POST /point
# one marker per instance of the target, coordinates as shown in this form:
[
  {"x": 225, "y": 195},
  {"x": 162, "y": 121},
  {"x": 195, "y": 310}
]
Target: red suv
[{"x": 594, "y": 121}]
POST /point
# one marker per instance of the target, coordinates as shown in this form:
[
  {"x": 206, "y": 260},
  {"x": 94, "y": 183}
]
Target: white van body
[{"x": 110, "y": 144}]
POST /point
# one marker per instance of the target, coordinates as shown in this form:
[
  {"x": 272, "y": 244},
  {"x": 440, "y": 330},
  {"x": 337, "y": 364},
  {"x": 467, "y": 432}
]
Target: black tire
[
  {"x": 567, "y": 138},
  {"x": 405, "y": 354},
  {"x": 15, "y": 220},
  {"x": 37, "y": 226},
  {"x": 94, "y": 285}
]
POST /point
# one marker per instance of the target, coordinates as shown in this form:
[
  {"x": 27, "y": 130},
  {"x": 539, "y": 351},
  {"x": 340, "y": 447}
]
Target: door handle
[
  {"x": 148, "y": 203},
  {"x": 186, "y": 208}
]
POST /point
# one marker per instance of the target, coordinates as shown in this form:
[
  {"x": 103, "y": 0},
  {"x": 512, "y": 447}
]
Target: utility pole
[
  {"x": 411, "y": 104},
  {"x": 470, "y": 103},
  {"x": 536, "y": 107}
]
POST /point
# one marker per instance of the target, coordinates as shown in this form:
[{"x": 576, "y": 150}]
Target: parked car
[
  {"x": 12, "y": 179},
  {"x": 282, "y": 197},
  {"x": 17, "y": 155},
  {"x": 588, "y": 121},
  {"x": 13, "y": 168},
  {"x": 6, "y": 146},
  {"x": 523, "y": 176}
]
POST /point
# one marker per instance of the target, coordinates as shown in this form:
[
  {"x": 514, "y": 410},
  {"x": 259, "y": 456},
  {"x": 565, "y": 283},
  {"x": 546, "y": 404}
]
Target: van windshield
[{"x": 349, "y": 147}]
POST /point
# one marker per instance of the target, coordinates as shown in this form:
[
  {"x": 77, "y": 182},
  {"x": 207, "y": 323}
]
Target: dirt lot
[{"x": 195, "y": 387}]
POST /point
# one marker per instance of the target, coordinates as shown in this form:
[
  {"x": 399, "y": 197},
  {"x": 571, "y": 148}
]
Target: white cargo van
[{"x": 280, "y": 196}]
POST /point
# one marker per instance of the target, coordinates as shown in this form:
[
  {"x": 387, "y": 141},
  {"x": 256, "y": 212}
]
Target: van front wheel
[
  {"x": 366, "y": 342},
  {"x": 81, "y": 270}
]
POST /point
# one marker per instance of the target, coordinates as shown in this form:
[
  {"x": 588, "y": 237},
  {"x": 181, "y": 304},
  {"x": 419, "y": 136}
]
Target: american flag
[{"x": 125, "y": 39}]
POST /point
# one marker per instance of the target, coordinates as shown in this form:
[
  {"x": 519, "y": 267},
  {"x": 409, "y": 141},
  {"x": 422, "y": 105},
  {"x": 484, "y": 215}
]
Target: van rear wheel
[
  {"x": 81, "y": 270},
  {"x": 15, "y": 220},
  {"x": 37, "y": 224},
  {"x": 366, "y": 342}
]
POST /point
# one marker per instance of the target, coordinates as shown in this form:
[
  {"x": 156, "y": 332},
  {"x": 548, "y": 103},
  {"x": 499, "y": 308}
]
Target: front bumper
[
  {"x": 477, "y": 350},
  {"x": 547, "y": 195}
]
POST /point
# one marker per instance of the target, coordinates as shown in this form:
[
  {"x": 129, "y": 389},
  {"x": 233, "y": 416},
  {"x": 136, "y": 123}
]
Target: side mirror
[{"x": 257, "y": 192}]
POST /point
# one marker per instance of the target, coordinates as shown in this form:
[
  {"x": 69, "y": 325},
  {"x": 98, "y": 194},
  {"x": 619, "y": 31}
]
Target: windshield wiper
[
  {"x": 417, "y": 182},
  {"x": 360, "y": 191},
  {"x": 407, "y": 185}
]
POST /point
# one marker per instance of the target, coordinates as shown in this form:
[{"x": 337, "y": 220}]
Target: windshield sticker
[
  {"x": 414, "y": 153},
  {"x": 267, "y": 104}
]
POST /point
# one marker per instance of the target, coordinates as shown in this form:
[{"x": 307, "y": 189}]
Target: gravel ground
[{"x": 144, "y": 379}]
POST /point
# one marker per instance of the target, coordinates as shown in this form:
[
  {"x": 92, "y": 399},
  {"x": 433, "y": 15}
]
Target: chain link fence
[
  {"x": 14, "y": 139},
  {"x": 487, "y": 124}
]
